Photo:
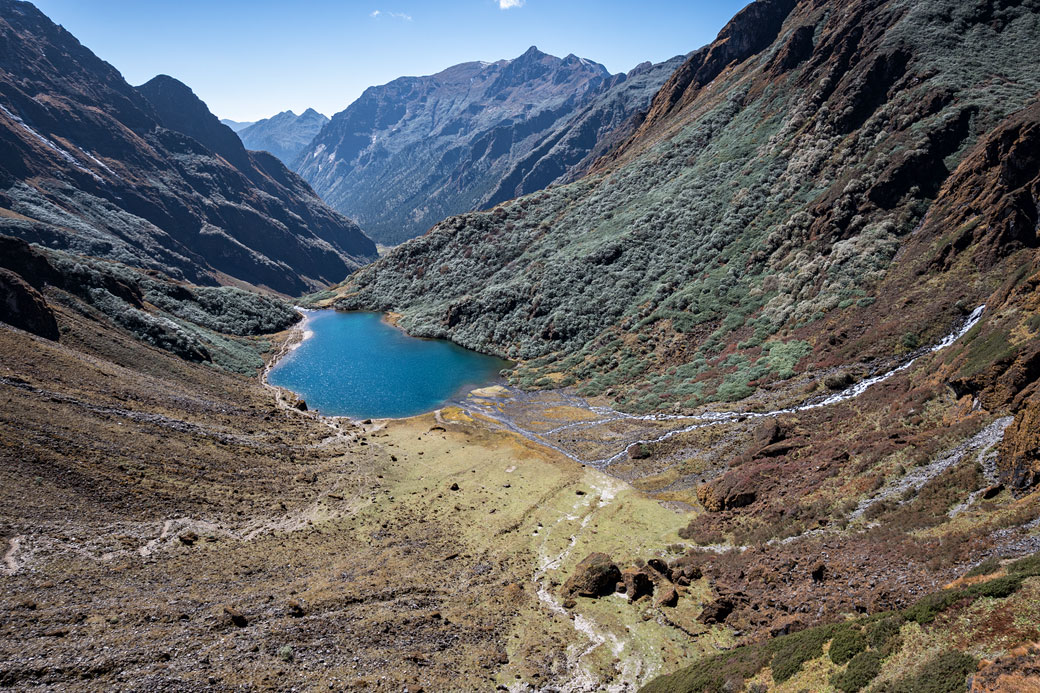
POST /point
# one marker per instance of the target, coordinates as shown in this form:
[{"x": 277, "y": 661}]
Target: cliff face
[
  {"x": 409, "y": 153},
  {"x": 149, "y": 177}
]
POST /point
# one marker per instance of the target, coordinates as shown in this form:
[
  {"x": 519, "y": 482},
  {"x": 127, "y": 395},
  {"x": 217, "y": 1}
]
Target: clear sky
[{"x": 250, "y": 59}]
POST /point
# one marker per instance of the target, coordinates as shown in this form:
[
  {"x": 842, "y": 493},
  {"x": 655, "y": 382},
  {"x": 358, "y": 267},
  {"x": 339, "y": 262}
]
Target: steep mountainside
[
  {"x": 284, "y": 135},
  {"x": 762, "y": 203},
  {"x": 409, "y": 153},
  {"x": 150, "y": 178}
]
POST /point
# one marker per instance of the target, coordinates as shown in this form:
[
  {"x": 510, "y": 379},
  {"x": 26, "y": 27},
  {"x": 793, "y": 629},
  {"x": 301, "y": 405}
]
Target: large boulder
[
  {"x": 24, "y": 307},
  {"x": 720, "y": 496},
  {"x": 596, "y": 576}
]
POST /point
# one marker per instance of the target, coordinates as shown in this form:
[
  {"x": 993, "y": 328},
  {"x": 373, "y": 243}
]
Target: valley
[{"x": 718, "y": 374}]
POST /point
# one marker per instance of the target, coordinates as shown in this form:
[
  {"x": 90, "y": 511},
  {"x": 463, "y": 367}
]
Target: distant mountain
[
  {"x": 284, "y": 135},
  {"x": 409, "y": 153},
  {"x": 236, "y": 125},
  {"x": 149, "y": 176}
]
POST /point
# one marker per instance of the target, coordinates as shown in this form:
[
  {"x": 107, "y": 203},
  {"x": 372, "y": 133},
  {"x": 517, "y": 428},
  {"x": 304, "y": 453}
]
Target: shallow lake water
[{"x": 357, "y": 365}]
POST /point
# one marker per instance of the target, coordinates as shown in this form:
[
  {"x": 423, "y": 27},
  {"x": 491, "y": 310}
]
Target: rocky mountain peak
[{"x": 181, "y": 110}]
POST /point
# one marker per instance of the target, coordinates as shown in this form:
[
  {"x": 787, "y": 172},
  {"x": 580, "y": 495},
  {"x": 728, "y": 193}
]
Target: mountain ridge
[
  {"x": 410, "y": 152},
  {"x": 91, "y": 165},
  {"x": 285, "y": 134}
]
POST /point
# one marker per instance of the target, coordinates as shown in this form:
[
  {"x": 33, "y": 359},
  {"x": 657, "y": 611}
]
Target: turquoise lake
[{"x": 355, "y": 364}]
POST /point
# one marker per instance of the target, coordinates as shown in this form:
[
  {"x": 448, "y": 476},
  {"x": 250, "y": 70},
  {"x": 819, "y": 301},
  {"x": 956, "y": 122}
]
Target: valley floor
[{"x": 167, "y": 526}]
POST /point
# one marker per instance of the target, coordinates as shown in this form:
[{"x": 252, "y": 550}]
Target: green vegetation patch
[
  {"x": 848, "y": 642},
  {"x": 862, "y": 669},
  {"x": 944, "y": 673}
]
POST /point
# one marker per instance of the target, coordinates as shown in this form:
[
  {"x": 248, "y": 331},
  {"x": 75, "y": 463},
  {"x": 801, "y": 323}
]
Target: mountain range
[
  {"x": 149, "y": 176},
  {"x": 773, "y": 416},
  {"x": 284, "y": 135},
  {"x": 237, "y": 125},
  {"x": 408, "y": 153}
]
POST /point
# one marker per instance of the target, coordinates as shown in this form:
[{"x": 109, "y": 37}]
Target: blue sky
[{"x": 252, "y": 59}]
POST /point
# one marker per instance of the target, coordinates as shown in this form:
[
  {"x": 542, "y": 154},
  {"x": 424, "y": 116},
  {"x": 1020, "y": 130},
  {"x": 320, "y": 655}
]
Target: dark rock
[
  {"x": 1018, "y": 461},
  {"x": 24, "y": 307},
  {"x": 786, "y": 626},
  {"x": 639, "y": 451},
  {"x": 637, "y": 584},
  {"x": 796, "y": 51},
  {"x": 595, "y": 576},
  {"x": 716, "y": 612},
  {"x": 453, "y": 487},
  {"x": 235, "y": 617},
  {"x": 767, "y": 433},
  {"x": 718, "y": 497},
  {"x": 294, "y": 608},
  {"x": 188, "y": 538},
  {"x": 992, "y": 491},
  {"x": 838, "y": 382},
  {"x": 660, "y": 567}
]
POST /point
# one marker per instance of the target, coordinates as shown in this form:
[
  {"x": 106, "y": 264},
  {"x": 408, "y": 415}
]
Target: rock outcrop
[{"x": 1018, "y": 463}]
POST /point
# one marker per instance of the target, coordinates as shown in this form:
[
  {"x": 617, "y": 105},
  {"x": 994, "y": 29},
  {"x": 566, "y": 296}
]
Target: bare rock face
[
  {"x": 24, "y": 307},
  {"x": 1018, "y": 464},
  {"x": 596, "y": 576}
]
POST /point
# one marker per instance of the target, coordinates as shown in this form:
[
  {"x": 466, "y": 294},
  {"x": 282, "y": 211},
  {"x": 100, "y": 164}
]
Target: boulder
[
  {"x": 718, "y": 497},
  {"x": 660, "y": 567},
  {"x": 234, "y": 617},
  {"x": 838, "y": 382},
  {"x": 668, "y": 597},
  {"x": 596, "y": 576},
  {"x": 637, "y": 584},
  {"x": 716, "y": 612},
  {"x": 685, "y": 572}
]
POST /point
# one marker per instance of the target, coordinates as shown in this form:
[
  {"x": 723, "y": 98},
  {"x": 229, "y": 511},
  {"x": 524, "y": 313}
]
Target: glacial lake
[{"x": 357, "y": 365}]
